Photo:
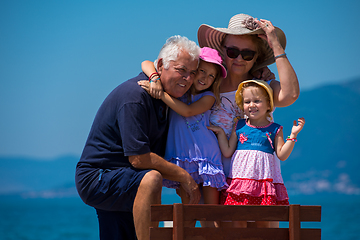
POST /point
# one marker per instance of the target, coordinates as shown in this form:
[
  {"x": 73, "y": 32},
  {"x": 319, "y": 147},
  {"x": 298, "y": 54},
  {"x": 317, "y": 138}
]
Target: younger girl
[
  {"x": 255, "y": 176},
  {"x": 190, "y": 144}
]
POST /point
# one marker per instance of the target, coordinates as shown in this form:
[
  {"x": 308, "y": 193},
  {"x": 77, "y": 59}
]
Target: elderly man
[{"x": 121, "y": 169}]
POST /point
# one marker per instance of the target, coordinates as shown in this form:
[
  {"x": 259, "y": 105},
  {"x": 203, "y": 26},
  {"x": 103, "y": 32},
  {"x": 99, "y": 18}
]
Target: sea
[{"x": 68, "y": 218}]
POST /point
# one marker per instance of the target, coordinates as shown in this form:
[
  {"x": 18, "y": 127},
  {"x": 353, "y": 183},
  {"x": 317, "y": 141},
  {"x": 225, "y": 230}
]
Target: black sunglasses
[{"x": 233, "y": 52}]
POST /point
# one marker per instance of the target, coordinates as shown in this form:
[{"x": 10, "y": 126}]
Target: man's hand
[
  {"x": 169, "y": 171},
  {"x": 192, "y": 189}
]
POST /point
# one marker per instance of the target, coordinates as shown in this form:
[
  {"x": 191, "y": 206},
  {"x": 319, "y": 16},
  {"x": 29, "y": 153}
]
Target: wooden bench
[{"x": 178, "y": 213}]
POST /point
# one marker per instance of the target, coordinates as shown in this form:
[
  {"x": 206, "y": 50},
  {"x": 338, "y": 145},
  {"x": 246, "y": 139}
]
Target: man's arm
[{"x": 169, "y": 171}]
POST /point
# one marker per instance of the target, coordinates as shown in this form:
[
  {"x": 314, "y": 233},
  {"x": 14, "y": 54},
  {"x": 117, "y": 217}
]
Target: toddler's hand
[
  {"x": 215, "y": 129},
  {"x": 298, "y": 126}
]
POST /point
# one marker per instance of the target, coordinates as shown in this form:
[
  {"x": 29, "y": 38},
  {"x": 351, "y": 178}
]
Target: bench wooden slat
[
  {"x": 236, "y": 213},
  {"x": 161, "y": 233},
  {"x": 250, "y": 233},
  {"x": 178, "y": 228},
  {"x": 310, "y": 213},
  {"x": 236, "y": 233},
  {"x": 179, "y": 213},
  {"x": 310, "y": 234},
  {"x": 216, "y": 212},
  {"x": 294, "y": 222},
  {"x": 161, "y": 212}
]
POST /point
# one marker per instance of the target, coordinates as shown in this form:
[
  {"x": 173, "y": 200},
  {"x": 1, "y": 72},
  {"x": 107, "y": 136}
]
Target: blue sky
[{"x": 60, "y": 59}]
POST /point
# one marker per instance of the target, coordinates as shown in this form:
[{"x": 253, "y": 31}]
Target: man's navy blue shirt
[{"x": 129, "y": 122}]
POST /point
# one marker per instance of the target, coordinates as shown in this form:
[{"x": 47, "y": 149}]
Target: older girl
[{"x": 190, "y": 144}]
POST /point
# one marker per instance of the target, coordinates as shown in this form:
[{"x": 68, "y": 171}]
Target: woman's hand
[{"x": 270, "y": 32}]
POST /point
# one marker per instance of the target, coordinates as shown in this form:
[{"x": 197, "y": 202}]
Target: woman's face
[{"x": 238, "y": 66}]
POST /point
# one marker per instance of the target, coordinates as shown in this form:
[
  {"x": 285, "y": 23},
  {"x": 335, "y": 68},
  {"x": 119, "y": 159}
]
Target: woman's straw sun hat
[{"x": 240, "y": 24}]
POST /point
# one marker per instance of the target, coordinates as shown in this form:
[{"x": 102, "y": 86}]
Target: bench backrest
[{"x": 178, "y": 213}]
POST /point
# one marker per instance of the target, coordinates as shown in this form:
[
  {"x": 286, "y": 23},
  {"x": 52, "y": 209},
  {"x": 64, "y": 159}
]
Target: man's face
[{"x": 177, "y": 79}]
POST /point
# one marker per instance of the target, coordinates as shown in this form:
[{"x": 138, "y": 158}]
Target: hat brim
[
  {"x": 209, "y": 36},
  {"x": 223, "y": 69}
]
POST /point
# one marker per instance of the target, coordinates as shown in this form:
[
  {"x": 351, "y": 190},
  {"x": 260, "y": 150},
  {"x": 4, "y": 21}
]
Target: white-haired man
[{"x": 121, "y": 168}]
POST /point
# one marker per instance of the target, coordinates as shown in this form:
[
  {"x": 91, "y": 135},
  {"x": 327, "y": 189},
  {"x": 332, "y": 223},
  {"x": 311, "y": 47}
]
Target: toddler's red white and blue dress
[
  {"x": 255, "y": 175},
  {"x": 195, "y": 148}
]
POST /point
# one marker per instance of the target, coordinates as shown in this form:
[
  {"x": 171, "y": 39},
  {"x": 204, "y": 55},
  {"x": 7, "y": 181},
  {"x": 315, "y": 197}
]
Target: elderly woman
[{"x": 246, "y": 46}]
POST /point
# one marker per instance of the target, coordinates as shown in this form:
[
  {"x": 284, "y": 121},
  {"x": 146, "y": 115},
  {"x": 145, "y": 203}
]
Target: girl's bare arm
[
  {"x": 227, "y": 147},
  {"x": 284, "y": 148}
]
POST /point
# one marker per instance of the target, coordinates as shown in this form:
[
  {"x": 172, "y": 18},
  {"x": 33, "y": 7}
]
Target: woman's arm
[
  {"x": 287, "y": 90},
  {"x": 284, "y": 149}
]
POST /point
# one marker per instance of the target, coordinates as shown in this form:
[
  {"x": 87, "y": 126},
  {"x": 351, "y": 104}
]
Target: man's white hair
[{"x": 173, "y": 46}]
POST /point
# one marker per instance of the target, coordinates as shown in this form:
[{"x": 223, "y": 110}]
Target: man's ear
[{"x": 160, "y": 66}]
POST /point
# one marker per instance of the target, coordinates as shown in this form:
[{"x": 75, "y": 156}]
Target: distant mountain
[
  {"x": 324, "y": 160},
  {"x": 33, "y": 177}
]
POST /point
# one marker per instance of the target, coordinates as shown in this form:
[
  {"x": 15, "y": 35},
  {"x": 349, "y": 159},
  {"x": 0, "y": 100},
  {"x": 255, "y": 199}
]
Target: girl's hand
[
  {"x": 297, "y": 127},
  {"x": 145, "y": 85},
  {"x": 270, "y": 32},
  {"x": 215, "y": 129},
  {"x": 154, "y": 88}
]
